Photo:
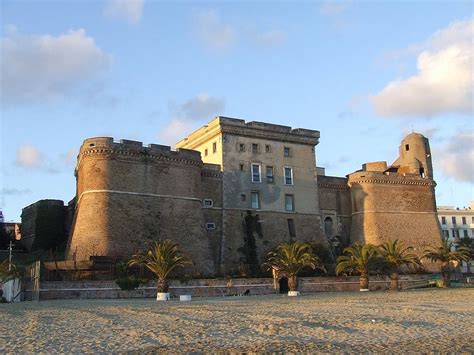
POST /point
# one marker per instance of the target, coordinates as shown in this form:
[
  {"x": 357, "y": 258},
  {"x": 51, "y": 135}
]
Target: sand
[{"x": 415, "y": 321}]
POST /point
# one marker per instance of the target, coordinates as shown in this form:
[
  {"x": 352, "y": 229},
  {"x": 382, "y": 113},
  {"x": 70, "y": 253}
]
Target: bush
[{"x": 129, "y": 283}]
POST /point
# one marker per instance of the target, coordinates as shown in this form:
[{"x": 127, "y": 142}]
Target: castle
[{"x": 233, "y": 190}]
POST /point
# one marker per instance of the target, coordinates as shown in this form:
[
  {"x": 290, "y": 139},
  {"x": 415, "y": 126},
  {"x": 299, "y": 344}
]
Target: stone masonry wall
[
  {"x": 394, "y": 207},
  {"x": 273, "y": 230},
  {"x": 129, "y": 195}
]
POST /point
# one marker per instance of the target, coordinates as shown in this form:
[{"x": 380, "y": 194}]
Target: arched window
[{"x": 328, "y": 227}]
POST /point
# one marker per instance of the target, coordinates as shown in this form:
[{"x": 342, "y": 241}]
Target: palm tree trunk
[
  {"x": 292, "y": 283},
  {"x": 364, "y": 281},
  {"x": 394, "y": 281},
  {"x": 162, "y": 286},
  {"x": 447, "y": 278}
]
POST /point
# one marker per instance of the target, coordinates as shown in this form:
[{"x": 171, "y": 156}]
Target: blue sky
[{"x": 362, "y": 73}]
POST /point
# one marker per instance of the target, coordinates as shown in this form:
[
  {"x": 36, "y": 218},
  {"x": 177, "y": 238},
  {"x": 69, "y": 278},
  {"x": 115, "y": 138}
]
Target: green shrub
[{"x": 129, "y": 283}]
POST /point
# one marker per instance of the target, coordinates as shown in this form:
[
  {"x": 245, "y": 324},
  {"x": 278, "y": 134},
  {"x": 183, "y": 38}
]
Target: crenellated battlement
[
  {"x": 380, "y": 177},
  {"x": 125, "y": 147}
]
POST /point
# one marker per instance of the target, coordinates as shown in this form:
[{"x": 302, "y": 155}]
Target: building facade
[
  {"x": 457, "y": 223},
  {"x": 234, "y": 190}
]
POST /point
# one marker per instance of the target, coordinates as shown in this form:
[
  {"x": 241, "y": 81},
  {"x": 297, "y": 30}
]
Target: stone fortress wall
[
  {"x": 397, "y": 201},
  {"x": 128, "y": 195}
]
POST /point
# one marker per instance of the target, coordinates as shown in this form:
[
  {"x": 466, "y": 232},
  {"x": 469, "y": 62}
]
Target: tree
[
  {"x": 469, "y": 244},
  {"x": 448, "y": 258},
  {"x": 5, "y": 273},
  {"x": 291, "y": 258},
  {"x": 395, "y": 255},
  {"x": 359, "y": 258},
  {"x": 162, "y": 258}
]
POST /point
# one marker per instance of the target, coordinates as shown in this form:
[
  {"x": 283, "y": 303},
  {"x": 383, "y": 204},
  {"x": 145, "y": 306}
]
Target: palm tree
[
  {"x": 447, "y": 257},
  {"x": 291, "y": 258},
  {"x": 469, "y": 244},
  {"x": 7, "y": 271},
  {"x": 360, "y": 258},
  {"x": 162, "y": 258},
  {"x": 395, "y": 254}
]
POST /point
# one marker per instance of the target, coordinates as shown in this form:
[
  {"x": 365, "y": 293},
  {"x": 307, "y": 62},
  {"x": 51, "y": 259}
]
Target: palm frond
[
  {"x": 292, "y": 258},
  {"x": 162, "y": 258}
]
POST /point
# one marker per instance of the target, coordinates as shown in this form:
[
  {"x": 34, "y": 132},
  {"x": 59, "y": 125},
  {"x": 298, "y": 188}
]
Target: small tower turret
[{"x": 415, "y": 156}]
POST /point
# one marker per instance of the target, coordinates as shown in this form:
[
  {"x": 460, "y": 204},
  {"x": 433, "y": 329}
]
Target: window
[
  {"x": 254, "y": 148},
  {"x": 288, "y": 172},
  {"x": 286, "y": 151},
  {"x": 472, "y": 219},
  {"x": 407, "y": 147},
  {"x": 210, "y": 226},
  {"x": 328, "y": 226},
  {"x": 463, "y": 220},
  {"x": 256, "y": 173},
  {"x": 205, "y": 152},
  {"x": 241, "y": 147},
  {"x": 455, "y": 233},
  {"x": 270, "y": 174},
  {"x": 208, "y": 202},
  {"x": 255, "y": 200},
  {"x": 465, "y": 233},
  {"x": 241, "y": 167},
  {"x": 214, "y": 147},
  {"x": 267, "y": 148},
  {"x": 291, "y": 228},
  {"x": 443, "y": 220},
  {"x": 289, "y": 203},
  {"x": 453, "y": 219},
  {"x": 243, "y": 197},
  {"x": 445, "y": 234}
]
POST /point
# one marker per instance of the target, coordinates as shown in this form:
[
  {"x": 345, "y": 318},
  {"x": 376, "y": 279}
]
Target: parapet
[
  {"x": 101, "y": 145},
  {"x": 332, "y": 182},
  {"x": 211, "y": 170},
  {"x": 41, "y": 204},
  {"x": 386, "y": 177},
  {"x": 235, "y": 126},
  {"x": 375, "y": 166}
]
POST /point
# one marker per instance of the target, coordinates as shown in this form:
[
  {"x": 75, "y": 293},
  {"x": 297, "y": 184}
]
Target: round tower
[
  {"x": 129, "y": 195},
  {"x": 415, "y": 155}
]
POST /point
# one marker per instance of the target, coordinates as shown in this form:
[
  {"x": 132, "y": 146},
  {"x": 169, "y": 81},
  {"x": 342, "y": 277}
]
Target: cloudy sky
[{"x": 362, "y": 73}]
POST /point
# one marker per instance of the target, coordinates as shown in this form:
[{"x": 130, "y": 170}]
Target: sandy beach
[{"x": 429, "y": 320}]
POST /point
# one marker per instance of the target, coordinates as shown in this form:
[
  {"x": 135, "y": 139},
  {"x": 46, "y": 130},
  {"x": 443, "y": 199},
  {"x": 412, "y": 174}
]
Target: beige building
[
  {"x": 233, "y": 190},
  {"x": 457, "y": 223}
]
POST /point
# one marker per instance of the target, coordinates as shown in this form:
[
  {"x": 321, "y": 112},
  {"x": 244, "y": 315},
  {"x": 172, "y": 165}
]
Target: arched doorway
[{"x": 283, "y": 282}]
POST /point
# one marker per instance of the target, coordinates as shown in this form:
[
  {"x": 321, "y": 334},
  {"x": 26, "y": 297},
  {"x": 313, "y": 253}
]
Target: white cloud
[
  {"x": 186, "y": 115},
  {"x": 175, "y": 130},
  {"x": 444, "y": 82},
  {"x": 456, "y": 159},
  {"x": 14, "y": 191},
  {"x": 198, "y": 107},
  {"x": 271, "y": 38},
  {"x": 39, "y": 67},
  {"x": 211, "y": 30},
  {"x": 69, "y": 158},
  {"x": 130, "y": 11},
  {"x": 28, "y": 156},
  {"x": 217, "y": 34},
  {"x": 333, "y": 8}
]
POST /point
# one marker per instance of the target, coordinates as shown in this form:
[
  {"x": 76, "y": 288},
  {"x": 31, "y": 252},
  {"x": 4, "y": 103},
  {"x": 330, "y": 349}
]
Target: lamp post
[{"x": 10, "y": 249}]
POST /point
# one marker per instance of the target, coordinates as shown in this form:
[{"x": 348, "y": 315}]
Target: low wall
[{"x": 210, "y": 287}]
